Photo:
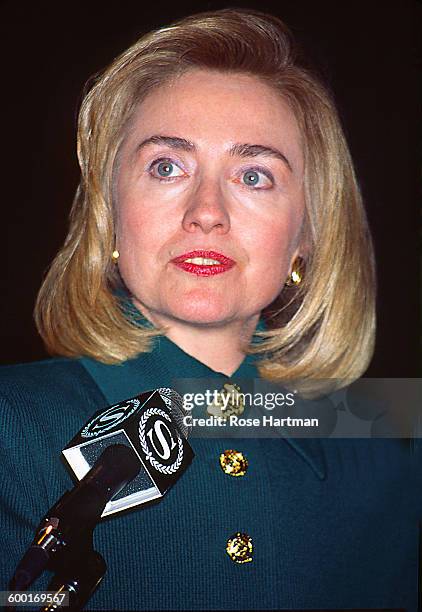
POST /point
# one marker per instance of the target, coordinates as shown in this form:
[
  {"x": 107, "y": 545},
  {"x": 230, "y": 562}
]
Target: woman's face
[{"x": 209, "y": 199}]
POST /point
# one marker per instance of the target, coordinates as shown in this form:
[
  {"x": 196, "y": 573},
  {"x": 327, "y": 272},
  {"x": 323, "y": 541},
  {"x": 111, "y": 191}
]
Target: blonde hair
[{"x": 331, "y": 331}]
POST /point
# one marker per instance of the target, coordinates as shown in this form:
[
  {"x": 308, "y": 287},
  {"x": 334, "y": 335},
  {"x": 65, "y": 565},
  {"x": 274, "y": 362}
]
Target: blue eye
[
  {"x": 164, "y": 168},
  {"x": 252, "y": 177}
]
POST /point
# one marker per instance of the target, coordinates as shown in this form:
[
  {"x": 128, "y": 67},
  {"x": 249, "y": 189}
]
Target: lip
[{"x": 204, "y": 270}]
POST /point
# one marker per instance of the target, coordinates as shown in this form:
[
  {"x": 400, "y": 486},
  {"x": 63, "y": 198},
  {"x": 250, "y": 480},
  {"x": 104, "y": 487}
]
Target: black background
[{"x": 368, "y": 52}]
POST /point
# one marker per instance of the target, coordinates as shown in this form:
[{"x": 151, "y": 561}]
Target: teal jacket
[{"x": 334, "y": 522}]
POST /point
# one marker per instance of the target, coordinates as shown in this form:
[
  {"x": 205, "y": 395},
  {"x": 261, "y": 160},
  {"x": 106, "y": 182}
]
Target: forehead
[{"x": 216, "y": 109}]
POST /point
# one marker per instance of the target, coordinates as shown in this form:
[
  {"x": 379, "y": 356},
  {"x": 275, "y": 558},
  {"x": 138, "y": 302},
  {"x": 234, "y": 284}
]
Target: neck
[{"x": 220, "y": 347}]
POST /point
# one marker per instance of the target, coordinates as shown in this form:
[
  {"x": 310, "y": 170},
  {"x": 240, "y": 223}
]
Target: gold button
[
  {"x": 229, "y": 400},
  {"x": 233, "y": 463},
  {"x": 239, "y": 548}
]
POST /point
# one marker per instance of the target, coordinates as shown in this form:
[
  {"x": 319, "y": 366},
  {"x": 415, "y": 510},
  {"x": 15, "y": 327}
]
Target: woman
[{"x": 217, "y": 191}]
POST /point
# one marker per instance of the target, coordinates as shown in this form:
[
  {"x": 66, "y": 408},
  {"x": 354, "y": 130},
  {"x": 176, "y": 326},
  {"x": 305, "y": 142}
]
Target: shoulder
[
  {"x": 47, "y": 372},
  {"x": 53, "y": 379},
  {"x": 47, "y": 400}
]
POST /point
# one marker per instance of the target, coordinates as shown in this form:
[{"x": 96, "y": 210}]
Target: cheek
[
  {"x": 274, "y": 245},
  {"x": 140, "y": 229}
]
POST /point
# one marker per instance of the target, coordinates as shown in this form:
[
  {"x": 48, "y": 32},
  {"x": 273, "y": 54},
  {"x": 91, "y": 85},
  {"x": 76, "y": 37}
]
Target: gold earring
[
  {"x": 296, "y": 275},
  {"x": 115, "y": 256}
]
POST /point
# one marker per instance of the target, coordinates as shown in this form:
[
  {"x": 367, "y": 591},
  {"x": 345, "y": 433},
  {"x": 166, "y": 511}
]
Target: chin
[
  {"x": 202, "y": 310},
  {"x": 201, "y": 316}
]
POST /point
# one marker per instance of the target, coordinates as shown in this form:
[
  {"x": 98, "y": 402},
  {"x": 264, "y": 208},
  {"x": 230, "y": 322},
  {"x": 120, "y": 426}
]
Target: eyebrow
[{"x": 236, "y": 150}]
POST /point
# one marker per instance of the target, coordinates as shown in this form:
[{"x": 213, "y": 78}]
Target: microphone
[
  {"x": 127, "y": 454},
  {"x": 77, "y": 511}
]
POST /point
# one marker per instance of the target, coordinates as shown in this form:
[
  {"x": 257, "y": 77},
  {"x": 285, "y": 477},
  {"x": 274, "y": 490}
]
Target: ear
[
  {"x": 303, "y": 248},
  {"x": 300, "y": 254},
  {"x": 297, "y": 268}
]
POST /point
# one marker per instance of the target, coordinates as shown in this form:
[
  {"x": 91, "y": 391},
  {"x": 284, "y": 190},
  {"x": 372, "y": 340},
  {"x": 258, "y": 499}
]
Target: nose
[{"x": 207, "y": 210}]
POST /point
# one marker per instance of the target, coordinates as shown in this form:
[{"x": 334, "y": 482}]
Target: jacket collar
[{"x": 166, "y": 365}]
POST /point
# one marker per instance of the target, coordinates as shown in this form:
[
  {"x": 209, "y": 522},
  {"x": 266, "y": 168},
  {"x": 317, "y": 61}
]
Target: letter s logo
[
  {"x": 167, "y": 438},
  {"x": 110, "y": 418},
  {"x": 157, "y": 429}
]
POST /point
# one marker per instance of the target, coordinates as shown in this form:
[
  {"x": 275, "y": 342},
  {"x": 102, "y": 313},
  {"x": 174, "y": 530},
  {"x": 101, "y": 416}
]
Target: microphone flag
[{"x": 152, "y": 425}]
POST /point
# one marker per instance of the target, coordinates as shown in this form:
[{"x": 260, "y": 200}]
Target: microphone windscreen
[{"x": 175, "y": 403}]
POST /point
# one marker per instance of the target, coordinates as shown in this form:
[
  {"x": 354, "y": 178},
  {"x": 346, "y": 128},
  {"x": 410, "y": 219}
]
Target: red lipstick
[{"x": 205, "y": 268}]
